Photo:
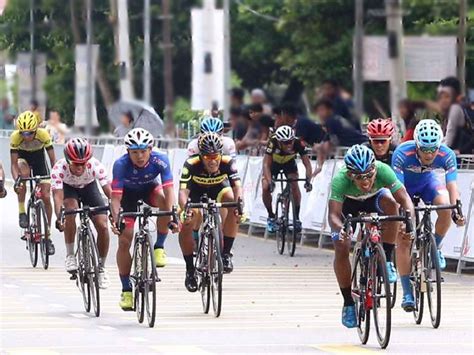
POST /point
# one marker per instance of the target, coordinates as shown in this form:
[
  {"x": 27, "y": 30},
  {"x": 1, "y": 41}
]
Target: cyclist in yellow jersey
[{"x": 27, "y": 146}]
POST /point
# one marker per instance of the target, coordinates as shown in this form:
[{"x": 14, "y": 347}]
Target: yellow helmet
[{"x": 27, "y": 121}]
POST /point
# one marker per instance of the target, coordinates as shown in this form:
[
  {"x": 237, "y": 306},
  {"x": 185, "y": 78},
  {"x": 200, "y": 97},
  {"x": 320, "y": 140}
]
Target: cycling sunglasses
[
  {"x": 363, "y": 176},
  {"x": 28, "y": 133},
  {"x": 287, "y": 142},
  {"x": 209, "y": 157},
  {"x": 379, "y": 140},
  {"x": 428, "y": 149}
]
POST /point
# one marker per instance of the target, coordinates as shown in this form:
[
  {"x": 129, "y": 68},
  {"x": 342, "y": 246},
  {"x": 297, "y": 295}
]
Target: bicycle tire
[
  {"x": 139, "y": 295},
  {"x": 291, "y": 240},
  {"x": 433, "y": 270},
  {"x": 416, "y": 277},
  {"x": 358, "y": 294},
  {"x": 30, "y": 239},
  {"x": 42, "y": 229},
  {"x": 380, "y": 292},
  {"x": 281, "y": 227},
  {"x": 93, "y": 273},
  {"x": 216, "y": 267},
  {"x": 203, "y": 274},
  {"x": 150, "y": 280},
  {"x": 82, "y": 267}
]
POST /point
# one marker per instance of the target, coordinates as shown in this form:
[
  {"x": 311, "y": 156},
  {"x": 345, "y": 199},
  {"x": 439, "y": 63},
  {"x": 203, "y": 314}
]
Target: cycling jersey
[
  {"x": 228, "y": 147},
  {"x": 195, "y": 178},
  {"x": 412, "y": 173},
  {"x": 342, "y": 186},
  {"x": 387, "y": 158},
  {"x": 41, "y": 140},
  {"x": 126, "y": 175},
  {"x": 281, "y": 157},
  {"x": 62, "y": 174}
]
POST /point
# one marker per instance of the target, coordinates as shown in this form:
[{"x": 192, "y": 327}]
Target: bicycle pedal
[
  {"x": 158, "y": 279},
  {"x": 73, "y": 276}
]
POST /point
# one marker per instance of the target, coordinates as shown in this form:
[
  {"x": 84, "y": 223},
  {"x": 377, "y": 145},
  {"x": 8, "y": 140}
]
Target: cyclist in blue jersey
[
  {"x": 414, "y": 163},
  {"x": 141, "y": 174}
]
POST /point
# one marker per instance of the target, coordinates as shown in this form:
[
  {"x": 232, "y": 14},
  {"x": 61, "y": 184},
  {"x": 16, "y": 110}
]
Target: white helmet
[
  {"x": 138, "y": 138},
  {"x": 284, "y": 133}
]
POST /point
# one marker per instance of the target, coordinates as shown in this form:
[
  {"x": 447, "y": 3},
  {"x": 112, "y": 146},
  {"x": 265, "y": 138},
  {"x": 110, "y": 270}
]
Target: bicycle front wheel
[
  {"x": 382, "y": 304},
  {"x": 42, "y": 230},
  {"x": 433, "y": 282},
  {"x": 150, "y": 279},
  {"x": 82, "y": 269},
  {"x": 359, "y": 287},
  {"x": 280, "y": 224},
  {"x": 93, "y": 273},
  {"x": 30, "y": 233},
  {"x": 216, "y": 268},
  {"x": 294, "y": 233},
  {"x": 139, "y": 294},
  {"x": 417, "y": 281},
  {"x": 202, "y": 268}
]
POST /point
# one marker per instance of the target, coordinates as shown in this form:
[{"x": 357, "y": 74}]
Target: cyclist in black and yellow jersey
[
  {"x": 27, "y": 146},
  {"x": 216, "y": 175},
  {"x": 280, "y": 155}
]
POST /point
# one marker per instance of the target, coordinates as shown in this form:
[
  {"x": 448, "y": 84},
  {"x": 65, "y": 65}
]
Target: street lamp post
[
  {"x": 89, "y": 70},
  {"x": 32, "y": 50}
]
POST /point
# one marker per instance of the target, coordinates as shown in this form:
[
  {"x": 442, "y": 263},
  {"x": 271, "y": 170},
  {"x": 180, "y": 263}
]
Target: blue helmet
[
  {"x": 211, "y": 125},
  {"x": 428, "y": 134},
  {"x": 359, "y": 159}
]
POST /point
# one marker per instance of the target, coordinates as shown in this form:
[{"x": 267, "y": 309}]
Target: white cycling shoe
[
  {"x": 104, "y": 281},
  {"x": 71, "y": 263}
]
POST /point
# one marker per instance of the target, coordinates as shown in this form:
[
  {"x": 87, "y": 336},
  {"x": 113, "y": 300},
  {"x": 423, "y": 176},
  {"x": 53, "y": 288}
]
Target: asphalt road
[{"x": 272, "y": 304}]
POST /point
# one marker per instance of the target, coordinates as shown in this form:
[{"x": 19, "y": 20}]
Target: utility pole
[
  {"x": 146, "y": 54},
  {"x": 89, "y": 70},
  {"x": 358, "y": 50},
  {"x": 462, "y": 45},
  {"x": 32, "y": 50},
  {"x": 168, "y": 65},
  {"x": 227, "y": 60},
  {"x": 398, "y": 86}
]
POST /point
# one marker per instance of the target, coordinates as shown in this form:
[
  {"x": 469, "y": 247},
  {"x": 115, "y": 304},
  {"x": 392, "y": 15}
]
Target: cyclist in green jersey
[{"x": 363, "y": 185}]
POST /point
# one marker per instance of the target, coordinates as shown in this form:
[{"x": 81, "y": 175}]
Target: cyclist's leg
[
  {"x": 157, "y": 199},
  {"x": 24, "y": 170},
  {"x": 230, "y": 227},
  {"x": 291, "y": 171},
  {"x": 46, "y": 197},
  {"x": 386, "y": 204},
  {"x": 40, "y": 168},
  {"x": 267, "y": 197},
  {"x": 70, "y": 202}
]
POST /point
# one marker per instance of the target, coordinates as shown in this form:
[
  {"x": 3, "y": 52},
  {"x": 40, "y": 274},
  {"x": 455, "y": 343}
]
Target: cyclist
[
  {"x": 27, "y": 146},
  {"x": 73, "y": 178},
  {"x": 213, "y": 124},
  {"x": 380, "y": 133},
  {"x": 136, "y": 176},
  {"x": 280, "y": 155},
  {"x": 414, "y": 163},
  {"x": 216, "y": 175},
  {"x": 363, "y": 185},
  {"x": 3, "y": 190}
]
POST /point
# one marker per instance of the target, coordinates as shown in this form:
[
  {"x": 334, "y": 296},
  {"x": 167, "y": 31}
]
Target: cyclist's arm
[
  {"x": 183, "y": 195},
  {"x": 308, "y": 167},
  {"x": 453, "y": 191},
  {"x": 335, "y": 215},
  {"x": 404, "y": 200},
  {"x": 450, "y": 166},
  {"x": 168, "y": 190},
  {"x": 115, "y": 205},
  {"x": 107, "y": 191},
  {"x": 51, "y": 155},
  {"x": 14, "y": 164},
  {"x": 58, "y": 197},
  {"x": 117, "y": 189}
]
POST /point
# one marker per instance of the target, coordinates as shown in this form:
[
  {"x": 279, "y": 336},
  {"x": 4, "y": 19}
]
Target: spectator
[
  {"x": 238, "y": 124},
  {"x": 257, "y": 96},
  {"x": 7, "y": 115},
  {"x": 56, "y": 129},
  {"x": 257, "y": 131},
  {"x": 34, "y": 107},
  {"x": 126, "y": 124},
  {"x": 407, "y": 111},
  {"x": 331, "y": 91},
  {"x": 237, "y": 98}
]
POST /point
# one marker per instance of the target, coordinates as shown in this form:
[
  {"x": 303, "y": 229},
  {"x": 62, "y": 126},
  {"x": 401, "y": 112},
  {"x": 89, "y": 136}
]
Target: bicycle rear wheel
[
  {"x": 216, "y": 268},
  {"x": 202, "y": 268},
  {"x": 82, "y": 268},
  {"x": 93, "y": 273},
  {"x": 382, "y": 304},
  {"x": 291, "y": 240},
  {"x": 416, "y": 279},
  {"x": 139, "y": 294},
  {"x": 280, "y": 224},
  {"x": 359, "y": 279},
  {"x": 42, "y": 230},
  {"x": 150, "y": 279},
  {"x": 433, "y": 282},
  {"x": 30, "y": 237}
]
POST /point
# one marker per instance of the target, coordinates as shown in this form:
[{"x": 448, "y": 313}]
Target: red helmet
[
  {"x": 77, "y": 150},
  {"x": 380, "y": 128}
]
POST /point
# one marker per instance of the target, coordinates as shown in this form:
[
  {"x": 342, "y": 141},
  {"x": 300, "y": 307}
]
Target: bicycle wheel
[
  {"x": 359, "y": 279},
  {"x": 139, "y": 294},
  {"x": 291, "y": 240},
  {"x": 433, "y": 282},
  {"x": 202, "y": 269},
  {"x": 42, "y": 230},
  {"x": 382, "y": 303},
  {"x": 150, "y": 279},
  {"x": 216, "y": 268},
  {"x": 416, "y": 279},
  {"x": 280, "y": 224},
  {"x": 93, "y": 273},
  {"x": 82, "y": 268},
  {"x": 32, "y": 245},
  {"x": 393, "y": 287}
]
